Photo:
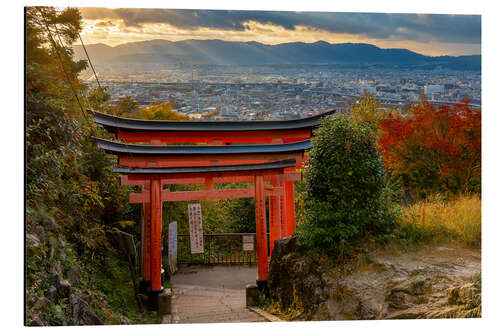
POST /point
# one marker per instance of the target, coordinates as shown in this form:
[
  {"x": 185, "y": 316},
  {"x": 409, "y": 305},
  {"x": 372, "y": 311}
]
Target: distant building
[
  {"x": 368, "y": 89},
  {"x": 433, "y": 89},
  {"x": 194, "y": 78}
]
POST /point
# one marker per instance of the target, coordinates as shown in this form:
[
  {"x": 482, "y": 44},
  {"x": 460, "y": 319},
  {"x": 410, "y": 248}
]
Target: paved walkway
[{"x": 203, "y": 294}]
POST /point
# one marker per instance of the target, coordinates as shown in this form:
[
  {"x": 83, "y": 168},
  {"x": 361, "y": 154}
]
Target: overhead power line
[
  {"x": 62, "y": 64},
  {"x": 90, "y": 61}
]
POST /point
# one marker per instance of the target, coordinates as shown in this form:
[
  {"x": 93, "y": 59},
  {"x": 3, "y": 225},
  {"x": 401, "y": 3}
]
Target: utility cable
[
  {"x": 90, "y": 61},
  {"x": 61, "y": 42},
  {"x": 63, "y": 67}
]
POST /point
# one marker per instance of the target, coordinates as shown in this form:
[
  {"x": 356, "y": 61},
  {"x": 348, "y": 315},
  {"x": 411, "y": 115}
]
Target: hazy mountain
[{"x": 253, "y": 53}]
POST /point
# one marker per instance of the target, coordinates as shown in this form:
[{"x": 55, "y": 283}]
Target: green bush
[{"x": 344, "y": 195}]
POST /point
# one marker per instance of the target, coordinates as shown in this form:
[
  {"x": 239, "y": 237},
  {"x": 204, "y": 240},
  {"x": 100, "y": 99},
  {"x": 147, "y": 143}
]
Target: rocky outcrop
[
  {"x": 125, "y": 320},
  {"x": 63, "y": 289},
  {"x": 295, "y": 281},
  {"x": 438, "y": 282},
  {"x": 55, "y": 292},
  {"x": 82, "y": 312}
]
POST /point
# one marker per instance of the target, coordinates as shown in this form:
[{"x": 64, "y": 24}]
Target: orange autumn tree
[
  {"x": 366, "y": 109},
  {"x": 161, "y": 111},
  {"x": 434, "y": 149}
]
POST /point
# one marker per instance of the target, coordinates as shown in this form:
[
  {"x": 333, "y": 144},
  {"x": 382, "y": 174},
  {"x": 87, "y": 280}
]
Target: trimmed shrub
[{"x": 344, "y": 188}]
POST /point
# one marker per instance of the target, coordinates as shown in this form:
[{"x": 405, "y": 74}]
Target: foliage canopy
[
  {"x": 73, "y": 199},
  {"x": 434, "y": 150}
]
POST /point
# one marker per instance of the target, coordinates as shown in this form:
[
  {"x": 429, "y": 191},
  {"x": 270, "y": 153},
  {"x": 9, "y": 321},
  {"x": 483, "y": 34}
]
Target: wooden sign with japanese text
[
  {"x": 172, "y": 246},
  {"x": 195, "y": 228},
  {"x": 248, "y": 241}
]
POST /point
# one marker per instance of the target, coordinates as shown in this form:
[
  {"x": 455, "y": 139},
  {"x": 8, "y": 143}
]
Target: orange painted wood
[
  {"x": 156, "y": 224},
  {"x": 144, "y": 248},
  {"x": 141, "y": 197},
  {"x": 248, "y": 192},
  {"x": 146, "y": 239},
  {"x": 189, "y": 175},
  {"x": 169, "y": 196},
  {"x": 282, "y": 203},
  {"x": 218, "y": 142},
  {"x": 274, "y": 218},
  {"x": 290, "y": 208},
  {"x": 126, "y": 182},
  {"x": 209, "y": 137},
  {"x": 203, "y": 160},
  {"x": 260, "y": 216},
  {"x": 290, "y": 176},
  {"x": 209, "y": 183}
]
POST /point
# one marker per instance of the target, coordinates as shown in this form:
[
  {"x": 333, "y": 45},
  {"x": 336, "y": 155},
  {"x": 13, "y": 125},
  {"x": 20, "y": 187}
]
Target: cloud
[
  {"x": 412, "y": 27},
  {"x": 104, "y": 24}
]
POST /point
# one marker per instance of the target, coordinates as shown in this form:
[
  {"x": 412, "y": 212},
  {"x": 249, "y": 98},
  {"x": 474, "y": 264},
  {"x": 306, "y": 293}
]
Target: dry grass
[{"x": 458, "y": 219}]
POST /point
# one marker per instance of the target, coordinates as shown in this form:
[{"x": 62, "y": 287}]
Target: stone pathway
[{"x": 212, "y": 295}]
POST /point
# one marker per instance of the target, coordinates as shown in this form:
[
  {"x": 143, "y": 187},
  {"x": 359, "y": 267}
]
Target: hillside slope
[{"x": 254, "y": 53}]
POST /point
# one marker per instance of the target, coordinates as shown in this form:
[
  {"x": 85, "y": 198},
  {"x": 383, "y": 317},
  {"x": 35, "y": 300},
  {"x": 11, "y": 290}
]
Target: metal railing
[{"x": 219, "y": 249}]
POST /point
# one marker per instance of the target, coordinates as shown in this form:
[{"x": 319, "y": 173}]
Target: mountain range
[{"x": 219, "y": 52}]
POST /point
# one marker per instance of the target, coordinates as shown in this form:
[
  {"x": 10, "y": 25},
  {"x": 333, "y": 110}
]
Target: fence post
[{"x": 209, "y": 245}]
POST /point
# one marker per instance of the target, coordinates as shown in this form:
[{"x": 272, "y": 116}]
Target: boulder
[
  {"x": 83, "y": 314},
  {"x": 49, "y": 223},
  {"x": 51, "y": 293},
  {"x": 39, "y": 232},
  {"x": 420, "y": 284},
  {"x": 295, "y": 278},
  {"x": 125, "y": 321},
  {"x": 74, "y": 274},
  {"x": 368, "y": 309},
  {"x": 85, "y": 295},
  {"x": 63, "y": 289},
  {"x": 33, "y": 240},
  {"x": 36, "y": 321},
  {"x": 56, "y": 269},
  {"x": 41, "y": 304},
  {"x": 31, "y": 300}
]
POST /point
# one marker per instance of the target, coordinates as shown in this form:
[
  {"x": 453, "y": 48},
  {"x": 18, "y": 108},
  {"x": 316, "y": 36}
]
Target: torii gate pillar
[
  {"x": 274, "y": 217},
  {"x": 145, "y": 283},
  {"x": 290, "y": 208},
  {"x": 260, "y": 217},
  {"x": 156, "y": 224},
  {"x": 283, "y": 213}
]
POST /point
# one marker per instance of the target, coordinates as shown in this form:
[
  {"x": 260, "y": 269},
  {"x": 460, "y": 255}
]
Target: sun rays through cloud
[{"x": 426, "y": 34}]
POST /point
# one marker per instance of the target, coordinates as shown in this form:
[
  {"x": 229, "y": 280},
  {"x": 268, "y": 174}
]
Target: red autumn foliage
[{"x": 434, "y": 149}]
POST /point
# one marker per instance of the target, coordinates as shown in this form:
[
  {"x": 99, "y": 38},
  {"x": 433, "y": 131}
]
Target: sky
[{"x": 430, "y": 34}]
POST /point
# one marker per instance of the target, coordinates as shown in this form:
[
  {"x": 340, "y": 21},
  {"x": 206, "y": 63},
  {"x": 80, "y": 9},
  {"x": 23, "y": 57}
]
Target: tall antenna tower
[{"x": 194, "y": 72}]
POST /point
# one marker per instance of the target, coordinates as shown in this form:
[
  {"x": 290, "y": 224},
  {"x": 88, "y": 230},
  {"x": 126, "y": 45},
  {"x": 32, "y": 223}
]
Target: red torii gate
[{"x": 152, "y": 166}]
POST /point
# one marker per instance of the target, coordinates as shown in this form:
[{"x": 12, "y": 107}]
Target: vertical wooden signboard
[
  {"x": 172, "y": 246},
  {"x": 248, "y": 242},
  {"x": 195, "y": 228}
]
